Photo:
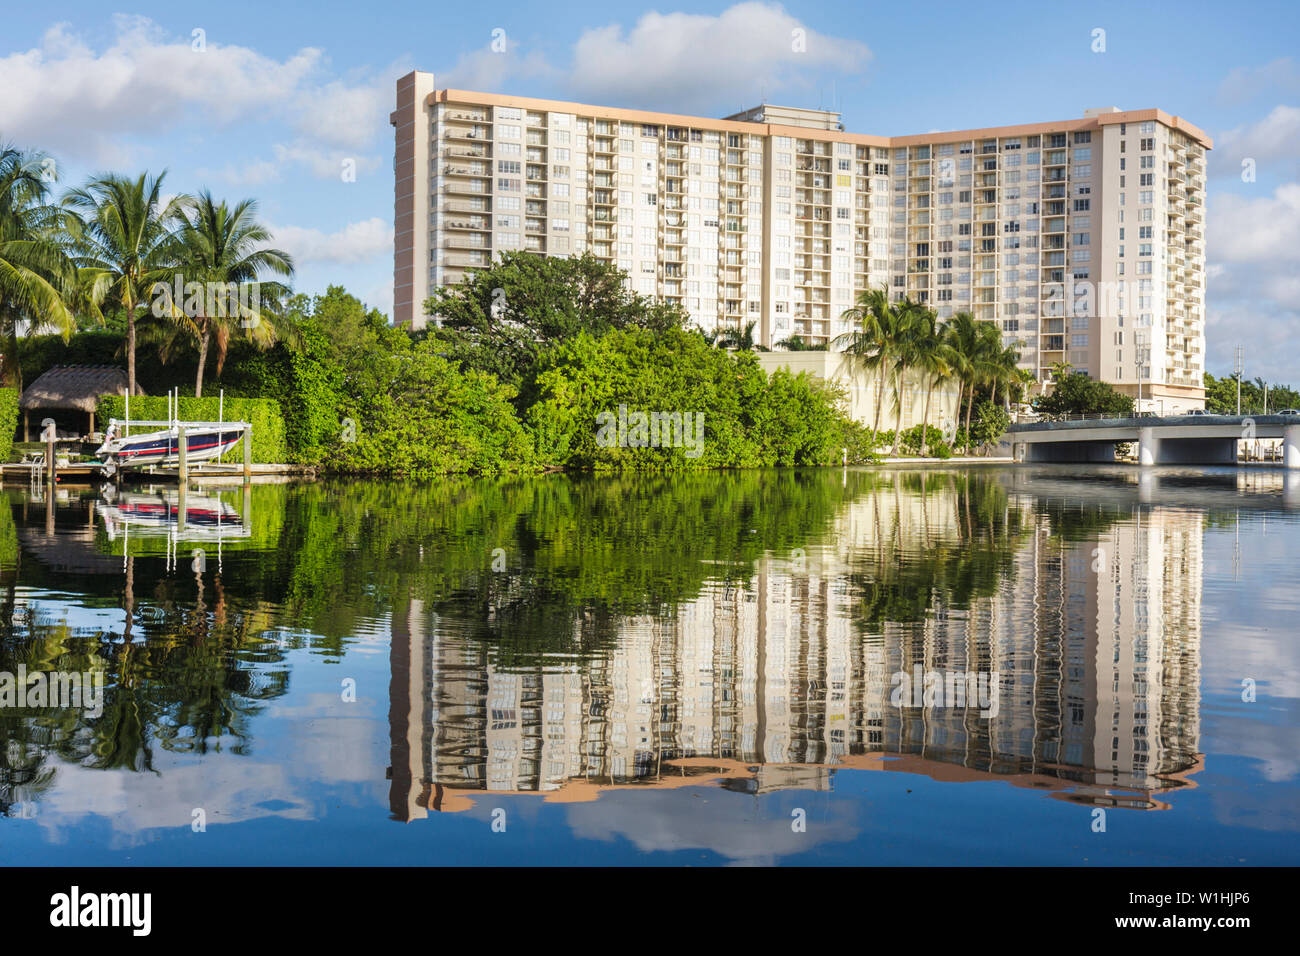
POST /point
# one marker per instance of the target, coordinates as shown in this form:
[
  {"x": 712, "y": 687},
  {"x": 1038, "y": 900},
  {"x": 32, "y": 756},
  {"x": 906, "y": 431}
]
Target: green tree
[
  {"x": 934, "y": 361},
  {"x": 910, "y": 343},
  {"x": 1256, "y": 396},
  {"x": 37, "y": 278},
  {"x": 503, "y": 318},
  {"x": 991, "y": 423},
  {"x": 871, "y": 343},
  {"x": 224, "y": 247},
  {"x": 976, "y": 349},
  {"x": 1077, "y": 394},
  {"x": 126, "y": 242}
]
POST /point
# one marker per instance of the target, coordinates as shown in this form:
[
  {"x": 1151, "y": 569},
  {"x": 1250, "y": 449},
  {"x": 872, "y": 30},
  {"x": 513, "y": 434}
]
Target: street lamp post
[
  {"x": 1140, "y": 343},
  {"x": 1237, "y": 370}
]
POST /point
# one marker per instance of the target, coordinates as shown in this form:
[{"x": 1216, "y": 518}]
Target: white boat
[{"x": 204, "y": 441}]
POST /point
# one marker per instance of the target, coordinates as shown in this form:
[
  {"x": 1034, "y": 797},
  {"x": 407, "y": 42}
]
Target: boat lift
[{"x": 184, "y": 430}]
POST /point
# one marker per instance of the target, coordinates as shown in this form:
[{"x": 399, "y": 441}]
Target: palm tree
[
  {"x": 1006, "y": 373},
  {"x": 37, "y": 279},
  {"x": 126, "y": 242},
  {"x": 740, "y": 339},
  {"x": 222, "y": 248},
  {"x": 936, "y": 361},
  {"x": 797, "y": 343},
  {"x": 1060, "y": 370},
  {"x": 908, "y": 346},
  {"x": 976, "y": 346},
  {"x": 872, "y": 341},
  {"x": 1019, "y": 383},
  {"x": 962, "y": 333}
]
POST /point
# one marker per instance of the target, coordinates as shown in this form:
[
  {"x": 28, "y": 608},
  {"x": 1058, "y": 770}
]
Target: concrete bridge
[{"x": 1175, "y": 440}]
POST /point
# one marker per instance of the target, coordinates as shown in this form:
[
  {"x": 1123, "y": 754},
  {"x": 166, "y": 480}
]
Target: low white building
[{"x": 862, "y": 387}]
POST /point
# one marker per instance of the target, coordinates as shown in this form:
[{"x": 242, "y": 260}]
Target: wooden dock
[
  {"x": 71, "y": 474},
  {"x": 208, "y": 473}
]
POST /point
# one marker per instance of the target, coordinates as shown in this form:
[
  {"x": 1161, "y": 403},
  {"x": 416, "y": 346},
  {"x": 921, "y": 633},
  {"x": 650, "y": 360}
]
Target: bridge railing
[{"x": 1087, "y": 417}]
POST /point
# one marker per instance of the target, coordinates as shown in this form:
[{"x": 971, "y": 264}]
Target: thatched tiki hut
[{"x": 71, "y": 388}]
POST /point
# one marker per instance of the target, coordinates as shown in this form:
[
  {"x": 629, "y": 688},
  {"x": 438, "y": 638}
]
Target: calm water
[{"x": 707, "y": 669}]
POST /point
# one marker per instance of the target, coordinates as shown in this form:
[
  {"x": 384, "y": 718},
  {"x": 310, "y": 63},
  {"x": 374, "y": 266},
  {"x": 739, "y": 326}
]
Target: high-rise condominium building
[{"x": 1082, "y": 239}]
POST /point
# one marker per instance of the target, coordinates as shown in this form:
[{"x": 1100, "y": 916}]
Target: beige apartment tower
[{"x": 1082, "y": 239}]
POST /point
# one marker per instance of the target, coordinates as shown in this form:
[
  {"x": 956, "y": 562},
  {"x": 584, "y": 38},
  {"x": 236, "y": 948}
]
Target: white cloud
[
  {"x": 324, "y": 163},
  {"x": 486, "y": 70},
  {"x": 689, "y": 59},
  {"x": 1245, "y": 83},
  {"x": 356, "y": 242},
  {"x": 1263, "y": 230},
  {"x": 686, "y": 62},
  {"x": 1273, "y": 141},
  {"x": 95, "y": 105},
  {"x": 1253, "y": 293}
]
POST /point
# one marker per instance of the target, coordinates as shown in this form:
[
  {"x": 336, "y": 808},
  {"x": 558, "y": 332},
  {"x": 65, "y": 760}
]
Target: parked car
[
  {"x": 1197, "y": 411},
  {"x": 1288, "y": 411}
]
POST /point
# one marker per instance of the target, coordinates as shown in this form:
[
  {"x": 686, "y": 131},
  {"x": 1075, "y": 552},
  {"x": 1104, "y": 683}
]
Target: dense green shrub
[
  {"x": 991, "y": 423},
  {"x": 8, "y": 420},
  {"x": 430, "y": 418},
  {"x": 590, "y": 392},
  {"x": 856, "y": 437},
  {"x": 801, "y": 420},
  {"x": 269, "y": 444},
  {"x": 1076, "y": 394},
  {"x": 911, "y": 443}
]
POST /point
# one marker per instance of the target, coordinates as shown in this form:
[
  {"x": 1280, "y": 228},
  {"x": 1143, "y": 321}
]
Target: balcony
[
  {"x": 464, "y": 186},
  {"x": 465, "y": 152},
  {"x": 471, "y": 134},
  {"x": 479, "y": 205},
  {"x": 471, "y": 261},
  {"x": 476, "y": 224},
  {"x": 466, "y": 169}
]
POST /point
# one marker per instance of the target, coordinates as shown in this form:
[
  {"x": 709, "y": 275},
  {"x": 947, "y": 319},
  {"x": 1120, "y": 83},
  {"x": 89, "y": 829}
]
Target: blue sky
[{"x": 283, "y": 94}]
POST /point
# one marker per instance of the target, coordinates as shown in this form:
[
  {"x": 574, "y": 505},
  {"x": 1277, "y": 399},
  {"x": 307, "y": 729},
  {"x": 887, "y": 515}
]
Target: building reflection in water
[{"x": 1093, "y": 635}]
